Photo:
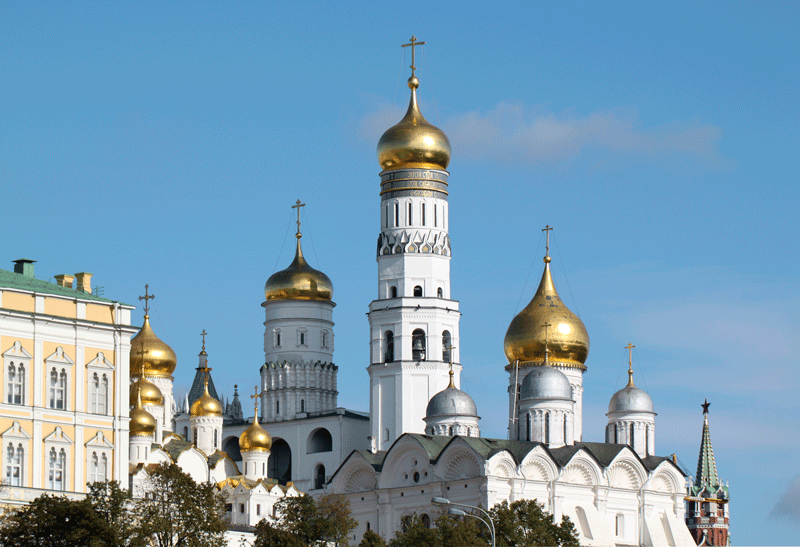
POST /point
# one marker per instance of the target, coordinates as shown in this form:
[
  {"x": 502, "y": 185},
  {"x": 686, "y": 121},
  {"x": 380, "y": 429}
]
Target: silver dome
[
  {"x": 630, "y": 399},
  {"x": 545, "y": 382},
  {"x": 451, "y": 402}
]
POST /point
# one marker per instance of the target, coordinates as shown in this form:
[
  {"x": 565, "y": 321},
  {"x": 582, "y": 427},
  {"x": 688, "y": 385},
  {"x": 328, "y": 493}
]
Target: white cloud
[
  {"x": 789, "y": 505},
  {"x": 515, "y": 133}
]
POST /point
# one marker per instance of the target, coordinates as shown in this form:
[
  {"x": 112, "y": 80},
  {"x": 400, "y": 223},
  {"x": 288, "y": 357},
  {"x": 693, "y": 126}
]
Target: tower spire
[
  {"x": 630, "y": 347},
  {"x": 706, "y": 464}
]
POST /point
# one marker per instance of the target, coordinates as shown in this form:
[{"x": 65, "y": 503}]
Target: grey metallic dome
[
  {"x": 630, "y": 399},
  {"x": 545, "y": 382},
  {"x": 451, "y": 402}
]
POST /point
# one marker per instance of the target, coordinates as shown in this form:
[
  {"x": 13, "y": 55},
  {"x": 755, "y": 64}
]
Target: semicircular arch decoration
[
  {"x": 461, "y": 465},
  {"x": 360, "y": 479}
]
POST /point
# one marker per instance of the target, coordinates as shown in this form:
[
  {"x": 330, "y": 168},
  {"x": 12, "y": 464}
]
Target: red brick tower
[{"x": 707, "y": 500}]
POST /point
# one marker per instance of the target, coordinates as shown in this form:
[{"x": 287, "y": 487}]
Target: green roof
[{"x": 13, "y": 280}]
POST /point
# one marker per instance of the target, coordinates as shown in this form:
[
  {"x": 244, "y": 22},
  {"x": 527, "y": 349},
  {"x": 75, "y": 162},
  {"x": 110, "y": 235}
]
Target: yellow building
[{"x": 64, "y": 378}]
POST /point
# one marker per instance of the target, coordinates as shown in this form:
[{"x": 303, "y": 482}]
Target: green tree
[
  {"x": 308, "y": 521},
  {"x": 371, "y": 539},
  {"x": 113, "y": 504},
  {"x": 414, "y": 532},
  {"x": 525, "y": 523},
  {"x": 461, "y": 532},
  {"x": 178, "y": 512},
  {"x": 56, "y": 521}
]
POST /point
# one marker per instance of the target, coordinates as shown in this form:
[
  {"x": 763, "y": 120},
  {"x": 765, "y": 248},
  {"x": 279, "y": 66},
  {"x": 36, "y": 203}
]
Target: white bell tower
[{"x": 414, "y": 321}]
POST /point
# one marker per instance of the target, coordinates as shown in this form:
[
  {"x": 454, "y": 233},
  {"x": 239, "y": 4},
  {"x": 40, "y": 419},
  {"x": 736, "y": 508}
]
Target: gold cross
[
  {"x": 297, "y": 206},
  {"x": 414, "y": 43},
  {"x": 630, "y": 347},
  {"x": 146, "y": 297},
  {"x": 255, "y": 397},
  {"x": 203, "y": 334},
  {"x": 546, "y": 324},
  {"x": 547, "y": 229}
]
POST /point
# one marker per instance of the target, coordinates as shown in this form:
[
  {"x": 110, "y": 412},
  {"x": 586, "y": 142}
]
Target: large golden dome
[
  {"x": 255, "y": 438},
  {"x": 299, "y": 281},
  {"x": 414, "y": 142},
  {"x": 206, "y": 405},
  {"x": 566, "y": 335},
  {"x": 159, "y": 359},
  {"x": 142, "y": 423},
  {"x": 149, "y": 392}
]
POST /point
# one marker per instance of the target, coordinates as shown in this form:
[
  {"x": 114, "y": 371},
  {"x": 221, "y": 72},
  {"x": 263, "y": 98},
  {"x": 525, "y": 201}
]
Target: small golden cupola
[
  {"x": 299, "y": 281},
  {"x": 206, "y": 405},
  {"x": 142, "y": 423},
  {"x": 149, "y": 355},
  {"x": 255, "y": 438},
  {"x": 414, "y": 142},
  {"x": 148, "y": 391},
  {"x": 547, "y": 322}
]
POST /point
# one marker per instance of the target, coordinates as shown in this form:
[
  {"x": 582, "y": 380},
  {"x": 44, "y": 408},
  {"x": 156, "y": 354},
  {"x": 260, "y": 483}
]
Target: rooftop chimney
[
  {"x": 24, "y": 266},
  {"x": 84, "y": 281},
  {"x": 64, "y": 280}
]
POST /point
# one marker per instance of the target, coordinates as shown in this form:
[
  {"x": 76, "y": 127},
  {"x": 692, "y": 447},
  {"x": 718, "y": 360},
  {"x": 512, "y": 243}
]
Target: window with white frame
[
  {"x": 15, "y": 459},
  {"x": 16, "y": 362},
  {"x": 15, "y": 382},
  {"x": 302, "y": 337},
  {"x": 98, "y": 467},
  {"x": 98, "y": 393},
  {"x": 58, "y": 389},
  {"x": 276, "y": 338},
  {"x": 57, "y": 469}
]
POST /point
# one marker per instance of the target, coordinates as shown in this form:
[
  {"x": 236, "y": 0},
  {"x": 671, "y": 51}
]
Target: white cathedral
[{"x": 421, "y": 438}]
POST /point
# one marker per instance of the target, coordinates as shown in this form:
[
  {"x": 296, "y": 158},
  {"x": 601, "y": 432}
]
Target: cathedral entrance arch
[{"x": 280, "y": 461}]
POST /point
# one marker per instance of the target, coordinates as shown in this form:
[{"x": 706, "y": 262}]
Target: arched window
[
  {"x": 319, "y": 441},
  {"x": 277, "y": 407},
  {"x": 302, "y": 405},
  {"x": 194, "y": 435},
  {"x": 528, "y": 427},
  {"x": 440, "y": 292},
  {"x": 393, "y": 292},
  {"x": 396, "y": 214},
  {"x": 616, "y": 433},
  {"x": 446, "y": 347},
  {"x": 98, "y": 395},
  {"x": 56, "y": 477},
  {"x": 216, "y": 438},
  {"x": 58, "y": 389},
  {"x": 417, "y": 291},
  {"x": 619, "y": 528},
  {"x": 565, "y": 429},
  {"x": 186, "y": 433},
  {"x": 319, "y": 477},
  {"x": 546, "y": 428},
  {"x": 426, "y": 520},
  {"x": 16, "y": 384},
  {"x": 409, "y": 223},
  {"x": 631, "y": 439},
  {"x": 14, "y": 461},
  {"x": 418, "y": 345},
  {"x": 647, "y": 440},
  {"x": 423, "y": 214},
  {"x": 450, "y": 431},
  {"x": 435, "y": 215},
  {"x": 388, "y": 340}
]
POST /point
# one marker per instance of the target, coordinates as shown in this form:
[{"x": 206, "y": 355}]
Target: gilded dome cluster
[
  {"x": 547, "y": 320},
  {"x": 298, "y": 282},
  {"x": 142, "y": 423},
  {"x": 149, "y": 355},
  {"x": 414, "y": 142}
]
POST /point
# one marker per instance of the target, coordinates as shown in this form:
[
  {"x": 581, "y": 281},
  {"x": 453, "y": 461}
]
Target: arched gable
[
  {"x": 623, "y": 474},
  {"x": 666, "y": 479},
  {"x": 194, "y": 463},
  {"x": 582, "y": 468},
  {"x": 537, "y": 465},
  {"x": 354, "y": 475},
  {"x": 404, "y": 458},
  {"x": 460, "y": 463},
  {"x": 502, "y": 464}
]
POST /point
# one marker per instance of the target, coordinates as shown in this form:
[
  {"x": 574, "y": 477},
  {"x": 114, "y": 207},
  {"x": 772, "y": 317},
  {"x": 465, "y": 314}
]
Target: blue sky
[{"x": 164, "y": 143}]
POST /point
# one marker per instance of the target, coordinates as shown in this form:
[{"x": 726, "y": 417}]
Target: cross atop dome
[{"x": 413, "y": 43}]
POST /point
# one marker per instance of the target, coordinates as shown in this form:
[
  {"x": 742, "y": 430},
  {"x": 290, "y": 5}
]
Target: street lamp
[{"x": 459, "y": 513}]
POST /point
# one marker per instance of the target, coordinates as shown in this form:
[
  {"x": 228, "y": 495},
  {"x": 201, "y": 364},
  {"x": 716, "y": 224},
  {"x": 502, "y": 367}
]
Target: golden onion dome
[
  {"x": 206, "y": 405},
  {"x": 142, "y": 423},
  {"x": 565, "y": 334},
  {"x": 414, "y": 142},
  {"x": 255, "y": 438},
  {"x": 159, "y": 359},
  {"x": 149, "y": 392},
  {"x": 299, "y": 281}
]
